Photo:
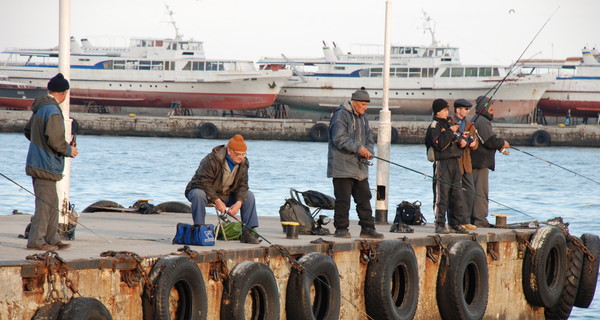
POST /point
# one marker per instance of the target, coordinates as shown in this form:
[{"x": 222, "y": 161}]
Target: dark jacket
[
  {"x": 209, "y": 176},
  {"x": 442, "y": 139},
  {"x": 348, "y": 132},
  {"x": 485, "y": 155},
  {"x": 46, "y": 133}
]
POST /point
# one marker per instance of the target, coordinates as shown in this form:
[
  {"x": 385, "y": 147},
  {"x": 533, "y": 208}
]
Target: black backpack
[
  {"x": 293, "y": 210},
  {"x": 410, "y": 213}
]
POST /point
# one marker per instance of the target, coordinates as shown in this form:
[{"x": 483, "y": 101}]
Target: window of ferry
[
  {"x": 198, "y": 65},
  {"x": 376, "y": 72},
  {"x": 470, "y": 72},
  {"x": 339, "y": 68},
  {"x": 414, "y": 72},
  {"x": 485, "y": 72},
  {"x": 457, "y": 72},
  {"x": 119, "y": 64}
]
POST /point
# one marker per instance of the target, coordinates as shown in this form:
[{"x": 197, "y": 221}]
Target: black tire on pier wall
[
  {"x": 208, "y": 131},
  {"x": 251, "y": 287},
  {"x": 562, "y": 309},
  {"x": 589, "y": 271},
  {"x": 174, "y": 206},
  {"x": 319, "y": 132},
  {"x": 49, "y": 311},
  {"x": 544, "y": 272},
  {"x": 540, "y": 138},
  {"x": 462, "y": 282},
  {"x": 101, "y": 203},
  {"x": 84, "y": 309},
  {"x": 320, "y": 276},
  {"x": 175, "y": 273},
  {"x": 395, "y": 135},
  {"x": 392, "y": 282}
]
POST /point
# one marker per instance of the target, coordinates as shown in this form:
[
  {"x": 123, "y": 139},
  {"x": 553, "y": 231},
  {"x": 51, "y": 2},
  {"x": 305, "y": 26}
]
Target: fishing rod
[
  {"x": 454, "y": 185},
  {"x": 287, "y": 255},
  {"x": 53, "y": 206},
  {"x": 497, "y": 86},
  {"x": 554, "y": 164}
]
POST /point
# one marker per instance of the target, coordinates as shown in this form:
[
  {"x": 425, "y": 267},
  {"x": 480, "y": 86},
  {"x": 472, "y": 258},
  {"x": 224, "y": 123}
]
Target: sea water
[{"x": 125, "y": 169}]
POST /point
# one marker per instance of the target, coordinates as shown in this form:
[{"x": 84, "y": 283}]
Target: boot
[
  {"x": 459, "y": 229},
  {"x": 370, "y": 233},
  {"x": 441, "y": 228},
  {"x": 249, "y": 237},
  {"x": 342, "y": 233}
]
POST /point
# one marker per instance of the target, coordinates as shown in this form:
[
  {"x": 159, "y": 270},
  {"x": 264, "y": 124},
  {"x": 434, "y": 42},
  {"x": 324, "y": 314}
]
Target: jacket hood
[
  {"x": 42, "y": 101},
  {"x": 347, "y": 105}
]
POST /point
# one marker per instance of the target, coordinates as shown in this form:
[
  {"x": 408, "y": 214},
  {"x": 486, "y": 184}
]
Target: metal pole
[
  {"x": 384, "y": 131},
  {"x": 64, "y": 67}
]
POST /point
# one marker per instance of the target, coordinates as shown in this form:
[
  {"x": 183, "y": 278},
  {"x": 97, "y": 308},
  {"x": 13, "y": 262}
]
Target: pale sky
[{"x": 494, "y": 32}]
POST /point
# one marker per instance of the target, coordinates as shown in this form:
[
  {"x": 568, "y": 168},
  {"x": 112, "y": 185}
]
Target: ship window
[
  {"x": 414, "y": 72},
  {"x": 496, "y": 72},
  {"x": 446, "y": 73},
  {"x": 339, "y": 68},
  {"x": 157, "y": 65},
  {"x": 376, "y": 72},
  {"x": 108, "y": 64},
  {"x": 485, "y": 72},
  {"x": 119, "y": 64},
  {"x": 457, "y": 72},
  {"x": 144, "y": 65},
  {"x": 471, "y": 72}
]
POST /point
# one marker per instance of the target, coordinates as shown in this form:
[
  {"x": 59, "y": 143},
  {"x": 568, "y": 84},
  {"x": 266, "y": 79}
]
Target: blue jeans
[{"x": 199, "y": 202}]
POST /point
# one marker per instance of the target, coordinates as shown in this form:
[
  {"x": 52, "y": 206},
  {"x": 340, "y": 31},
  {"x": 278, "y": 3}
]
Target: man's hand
[
  {"x": 506, "y": 145},
  {"x": 454, "y": 128},
  {"x": 235, "y": 208},
  {"x": 220, "y": 205},
  {"x": 74, "y": 152},
  {"x": 365, "y": 153},
  {"x": 462, "y": 143}
]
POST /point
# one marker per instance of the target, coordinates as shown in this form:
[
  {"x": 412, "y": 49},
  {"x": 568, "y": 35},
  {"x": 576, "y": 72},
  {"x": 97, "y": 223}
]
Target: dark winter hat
[
  {"x": 439, "y": 105},
  {"x": 58, "y": 83},
  {"x": 481, "y": 101},
  {"x": 361, "y": 95},
  {"x": 462, "y": 103}
]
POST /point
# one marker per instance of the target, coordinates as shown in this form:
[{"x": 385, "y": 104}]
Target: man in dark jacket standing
[
  {"x": 350, "y": 147},
  {"x": 222, "y": 179},
  {"x": 483, "y": 159},
  {"x": 445, "y": 142},
  {"x": 46, "y": 162}
]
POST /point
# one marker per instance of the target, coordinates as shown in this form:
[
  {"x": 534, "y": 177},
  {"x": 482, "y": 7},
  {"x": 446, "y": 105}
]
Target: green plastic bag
[{"x": 233, "y": 230}]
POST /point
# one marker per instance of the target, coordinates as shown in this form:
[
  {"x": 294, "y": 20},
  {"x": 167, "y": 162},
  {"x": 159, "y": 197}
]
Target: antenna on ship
[
  {"x": 178, "y": 36},
  {"x": 427, "y": 27}
]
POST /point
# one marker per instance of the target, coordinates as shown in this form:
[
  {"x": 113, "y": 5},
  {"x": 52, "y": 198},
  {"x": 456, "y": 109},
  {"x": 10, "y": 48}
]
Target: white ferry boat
[
  {"x": 418, "y": 75},
  {"x": 150, "y": 73},
  {"x": 576, "y": 87}
]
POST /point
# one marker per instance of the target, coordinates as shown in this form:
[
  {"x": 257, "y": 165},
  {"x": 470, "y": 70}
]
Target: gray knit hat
[
  {"x": 481, "y": 103},
  {"x": 361, "y": 95},
  {"x": 58, "y": 83}
]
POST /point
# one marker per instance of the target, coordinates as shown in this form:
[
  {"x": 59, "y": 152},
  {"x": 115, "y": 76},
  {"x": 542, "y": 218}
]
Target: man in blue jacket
[
  {"x": 45, "y": 163},
  {"x": 350, "y": 147}
]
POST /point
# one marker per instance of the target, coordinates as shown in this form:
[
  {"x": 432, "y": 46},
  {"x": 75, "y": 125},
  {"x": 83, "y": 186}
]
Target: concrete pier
[{"x": 410, "y": 132}]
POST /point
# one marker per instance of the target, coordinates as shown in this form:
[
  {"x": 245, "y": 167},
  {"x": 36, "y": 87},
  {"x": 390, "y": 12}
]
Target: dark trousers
[
  {"x": 480, "y": 204},
  {"x": 199, "y": 202},
  {"x": 343, "y": 188},
  {"x": 44, "y": 225},
  {"x": 468, "y": 192},
  {"x": 448, "y": 193}
]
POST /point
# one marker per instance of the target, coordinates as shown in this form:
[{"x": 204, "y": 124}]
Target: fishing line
[
  {"x": 53, "y": 207},
  {"x": 287, "y": 255},
  {"x": 554, "y": 164},
  {"x": 456, "y": 186}
]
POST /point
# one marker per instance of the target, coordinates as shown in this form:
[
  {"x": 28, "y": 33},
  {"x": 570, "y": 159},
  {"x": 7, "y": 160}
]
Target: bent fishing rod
[
  {"x": 296, "y": 263},
  {"x": 52, "y": 206},
  {"x": 553, "y": 164},
  {"x": 454, "y": 185}
]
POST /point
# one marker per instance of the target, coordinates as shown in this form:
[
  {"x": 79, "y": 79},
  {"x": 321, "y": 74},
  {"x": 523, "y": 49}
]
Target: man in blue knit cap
[{"x": 45, "y": 163}]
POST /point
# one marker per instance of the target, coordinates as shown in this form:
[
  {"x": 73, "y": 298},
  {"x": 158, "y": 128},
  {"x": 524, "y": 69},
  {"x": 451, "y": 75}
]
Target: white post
[
  {"x": 64, "y": 67},
  {"x": 384, "y": 131}
]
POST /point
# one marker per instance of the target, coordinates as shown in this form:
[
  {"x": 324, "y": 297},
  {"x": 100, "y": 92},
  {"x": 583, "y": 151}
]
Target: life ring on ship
[
  {"x": 251, "y": 287},
  {"x": 84, "y": 309},
  {"x": 181, "y": 274},
  {"x": 319, "y": 132},
  {"x": 395, "y": 135},
  {"x": 462, "y": 282},
  {"x": 208, "y": 131},
  {"x": 562, "y": 309},
  {"x": 318, "y": 275},
  {"x": 540, "y": 138},
  {"x": 544, "y": 272},
  {"x": 589, "y": 271},
  {"x": 392, "y": 282}
]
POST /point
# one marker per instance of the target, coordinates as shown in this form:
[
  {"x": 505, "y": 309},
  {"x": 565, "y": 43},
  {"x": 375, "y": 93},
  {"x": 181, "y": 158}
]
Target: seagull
[{"x": 511, "y": 11}]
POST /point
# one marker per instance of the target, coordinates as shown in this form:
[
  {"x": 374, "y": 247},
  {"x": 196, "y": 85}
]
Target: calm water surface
[{"x": 124, "y": 169}]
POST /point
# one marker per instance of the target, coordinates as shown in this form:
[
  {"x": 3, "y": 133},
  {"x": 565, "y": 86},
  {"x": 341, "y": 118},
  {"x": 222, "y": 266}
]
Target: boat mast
[
  {"x": 178, "y": 36},
  {"x": 427, "y": 27}
]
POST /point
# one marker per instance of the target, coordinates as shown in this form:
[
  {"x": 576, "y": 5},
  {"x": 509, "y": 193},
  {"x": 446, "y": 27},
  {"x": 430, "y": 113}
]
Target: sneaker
[
  {"x": 458, "y": 229},
  {"x": 249, "y": 237},
  {"x": 469, "y": 226},
  {"x": 61, "y": 245},
  {"x": 370, "y": 233},
  {"x": 44, "y": 247},
  {"x": 342, "y": 233},
  {"x": 441, "y": 228}
]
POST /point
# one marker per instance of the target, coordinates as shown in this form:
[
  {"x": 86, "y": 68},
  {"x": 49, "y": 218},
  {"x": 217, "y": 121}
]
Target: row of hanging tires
[{"x": 559, "y": 272}]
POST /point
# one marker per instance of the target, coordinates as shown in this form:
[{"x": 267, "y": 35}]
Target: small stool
[{"x": 219, "y": 223}]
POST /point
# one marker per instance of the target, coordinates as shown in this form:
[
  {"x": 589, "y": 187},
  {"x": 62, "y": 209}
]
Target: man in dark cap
[
  {"x": 222, "y": 179},
  {"x": 467, "y": 133},
  {"x": 350, "y": 147},
  {"x": 483, "y": 159},
  {"x": 45, "y": 163},
  {"x": 443, "y": 144}
]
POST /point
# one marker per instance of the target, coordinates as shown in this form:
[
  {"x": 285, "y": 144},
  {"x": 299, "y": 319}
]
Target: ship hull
[
  {"x": 13, "y": 97},
  {"x": 581, "y": 96}
]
